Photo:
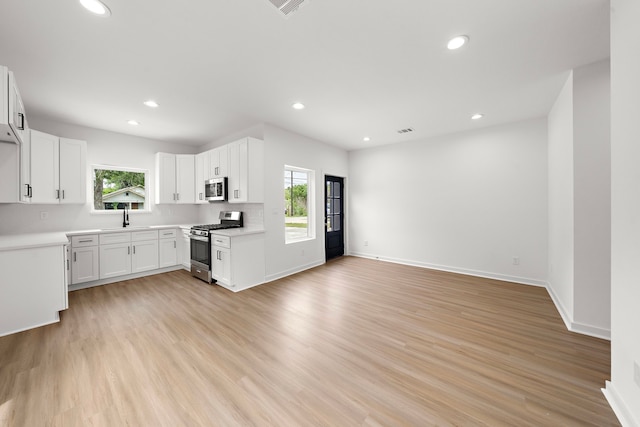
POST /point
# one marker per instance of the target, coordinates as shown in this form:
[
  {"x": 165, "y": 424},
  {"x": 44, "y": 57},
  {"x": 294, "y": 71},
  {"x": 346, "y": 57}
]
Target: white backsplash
[{"x": 253, "y": 213}]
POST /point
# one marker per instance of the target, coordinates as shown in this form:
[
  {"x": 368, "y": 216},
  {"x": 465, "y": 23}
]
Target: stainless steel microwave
[{"x": 215, "y": 190}]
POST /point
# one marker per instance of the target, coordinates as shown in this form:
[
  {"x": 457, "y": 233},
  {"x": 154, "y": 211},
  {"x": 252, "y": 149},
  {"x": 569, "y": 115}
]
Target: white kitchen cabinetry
[
  {"x": 175, "y": 178},
  {"x": 58, "y": 169},
  {"x": 185, "y": 249},
  {"x": 218, "y": 162},
  {"x": 168, "y": 248},
  {"x": 13, "y": 120},
  {"x": 202, "y": 174},
  {"x": 144, "y": 256},
  {"x": 246, "y": 171},
  {"x": 238, "y": 261},
  {"x": 31, "y": 297},
  {"x": 84, "y": 259}
]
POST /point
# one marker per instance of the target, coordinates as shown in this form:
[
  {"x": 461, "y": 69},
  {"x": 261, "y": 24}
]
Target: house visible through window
[
  {"x": 298, "y": 214},
  {"x": 119, "y": 188}
]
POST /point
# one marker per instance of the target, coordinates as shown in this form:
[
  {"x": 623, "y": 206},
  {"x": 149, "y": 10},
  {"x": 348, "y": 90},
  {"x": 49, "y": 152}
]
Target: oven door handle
[{"x": 199, "y": 238}]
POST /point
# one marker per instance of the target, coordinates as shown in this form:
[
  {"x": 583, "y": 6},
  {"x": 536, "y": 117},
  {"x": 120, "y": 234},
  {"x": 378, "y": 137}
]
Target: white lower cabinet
[
  {"x": 168, "y": 248},
  {"x": 185, "y": 249},
  {"x": 238, "y": 261},
  {"x": 144, "y": 255},
  {"x": 115, "y": 260},
  {"x": 85, "y": 259}
]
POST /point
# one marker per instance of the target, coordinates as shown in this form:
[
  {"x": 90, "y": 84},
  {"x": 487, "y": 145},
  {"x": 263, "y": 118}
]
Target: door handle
[
  {"x": 21, "y": 121},
  {"x": 134, "y": 250},
  {"x": 57, "y": 194},
  {"x": 63, "y": 194},
  {"x": 128, "y": 250},
  {"x": 75, "y": 259}
]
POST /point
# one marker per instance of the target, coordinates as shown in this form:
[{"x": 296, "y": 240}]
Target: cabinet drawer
[
  {"x": 168, "y": 234},
  {"x": 137, "y": 236},
  {"x": 223, "y": 241},
  {"x": 107, "y": 239},
  {"x": 82, "y": 241}
]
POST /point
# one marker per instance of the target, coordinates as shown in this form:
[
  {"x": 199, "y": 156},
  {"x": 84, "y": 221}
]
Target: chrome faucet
[{"x": 125, "y": 217}]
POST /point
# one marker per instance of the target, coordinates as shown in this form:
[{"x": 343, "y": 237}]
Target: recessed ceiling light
[
  {"x": 298, "y": 106},
  {"x": 366, "y": 139},
  {"x": 477, "y": 116},
  {"x": 151, "y": 103},
  {"x": 97, "y": 7},
  {"x": 133, "y": 122},
  {"x": 457, "y": 42}
]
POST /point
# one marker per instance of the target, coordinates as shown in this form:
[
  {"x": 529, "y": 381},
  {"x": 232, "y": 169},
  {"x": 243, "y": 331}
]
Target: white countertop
[
  {"x": 32, "y": 240},
  {"x": 234, "y": 232},
  {"x": 122, "y": 229}
]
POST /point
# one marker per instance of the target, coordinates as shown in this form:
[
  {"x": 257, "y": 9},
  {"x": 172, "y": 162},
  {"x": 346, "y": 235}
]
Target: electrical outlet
[
  {"x": 366, "y": 243},
  {"x": 636, "y": 373},
  {"x": 44, "y": 215},
  {"x": 516, "y": 260}
]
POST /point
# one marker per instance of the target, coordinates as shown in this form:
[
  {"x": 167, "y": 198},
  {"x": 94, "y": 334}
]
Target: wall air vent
[
  {"x": 407, "y": 130},
  {"x": 287, "y": 7}
]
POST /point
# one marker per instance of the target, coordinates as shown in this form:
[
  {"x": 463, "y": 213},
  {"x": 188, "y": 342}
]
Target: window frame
[
  {"x": 147, "y": 201},
  {"x": 311, "y": 223}
]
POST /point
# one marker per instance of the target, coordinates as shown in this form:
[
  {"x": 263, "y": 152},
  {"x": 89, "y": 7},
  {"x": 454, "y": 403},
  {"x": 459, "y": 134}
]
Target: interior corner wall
[
  {"x": 467, "y": 202},
  {"x": 282, "y": 148},
  {"x": 592, "y": 198},
  {"x": 560, "y": 203},
  {"x": 623, "y": 392}
]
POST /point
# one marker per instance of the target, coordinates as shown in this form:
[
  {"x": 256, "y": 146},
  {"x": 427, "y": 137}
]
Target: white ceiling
[{"x": 362, "y": 67}]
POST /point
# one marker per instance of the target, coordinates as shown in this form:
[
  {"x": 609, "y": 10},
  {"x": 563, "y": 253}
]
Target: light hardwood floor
[{"x": 354, "y": 342}]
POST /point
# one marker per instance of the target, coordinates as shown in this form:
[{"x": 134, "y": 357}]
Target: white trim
[
  {"x": 477, "y": 273},
  {"x": 619, "y": 408},
  {"x": 101, "y": 282},
  {"x": 282, "y": 274},
  {"x": 147, "y": 192},
  {"x": 573, "y": 326},
  {"x": 48, "y": 322}
]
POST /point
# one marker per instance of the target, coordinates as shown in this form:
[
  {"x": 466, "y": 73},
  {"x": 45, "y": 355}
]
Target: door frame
[{"x": 345, "y": 216}]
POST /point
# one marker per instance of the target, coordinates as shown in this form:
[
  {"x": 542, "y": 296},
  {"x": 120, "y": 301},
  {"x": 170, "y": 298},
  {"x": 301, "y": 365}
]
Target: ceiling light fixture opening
[
  {"x": 366, "y": 139},
  {"x": 151, "y": 103},
  {"x": 298, "y": 106},
  {"x": 96, "y": 7},
  {"x": 477, "y": 116},
  {"x": 133, "y": 122},
  {"x": 457, "y": 42}
]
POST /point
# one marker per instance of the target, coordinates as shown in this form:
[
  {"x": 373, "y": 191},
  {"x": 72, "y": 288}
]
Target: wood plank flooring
[{"x": 355, "y": 342}]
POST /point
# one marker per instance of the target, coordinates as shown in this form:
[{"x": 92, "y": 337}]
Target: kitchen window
[
  {"x": 117, "y": 188},
  {"x": 298, "y": 201}
]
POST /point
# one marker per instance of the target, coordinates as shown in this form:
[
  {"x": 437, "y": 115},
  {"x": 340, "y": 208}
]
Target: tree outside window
[{"x": 296, "y": 203}]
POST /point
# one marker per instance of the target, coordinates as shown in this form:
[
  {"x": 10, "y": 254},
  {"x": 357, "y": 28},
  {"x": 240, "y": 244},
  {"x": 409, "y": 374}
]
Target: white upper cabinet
[
  {"x": 57, "y": 170},
  {"x": 175, "y": 178},
  {"x": 13, "y": 120},
  {"x": 246, "y": 171},
  {"x": 219, "y": 161},
  {"x": 202, "y": 174}
]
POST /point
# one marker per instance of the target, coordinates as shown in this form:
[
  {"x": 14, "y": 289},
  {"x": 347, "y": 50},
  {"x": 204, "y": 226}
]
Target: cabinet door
[
  {"x": 73, "y": 171},
  {"x": 202, "y": 174},
  {"x": 168, "y": 252},
  {"x": 115, "y": 260},
  {"x": 144, "y": 256},
  {"x": 238, "y": 171},
  {"x": 165, "y": 178},
  {"x": 25, "y": 169},
  {"x": 84, "y": 264},
  {"x": 17, "y": 117},
  {"x": 185, "y": 178},
  {"x": 185, "y": 253},
  {"x": 45, "y": 181},
  {"x": 219, "y": 162},
  {"x": 221, "y": 265}
]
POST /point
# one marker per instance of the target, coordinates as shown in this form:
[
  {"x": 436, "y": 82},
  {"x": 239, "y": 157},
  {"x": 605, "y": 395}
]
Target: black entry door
[{"x": 334, "y": 216}]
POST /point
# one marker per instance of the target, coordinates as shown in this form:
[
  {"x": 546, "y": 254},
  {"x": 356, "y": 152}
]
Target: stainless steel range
[{"x": 200, "y": 237}]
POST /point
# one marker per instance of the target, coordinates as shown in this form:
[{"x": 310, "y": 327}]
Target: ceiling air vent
[
  {"x": 287, "y": 7},
  {"x": 407, "y": 130}
]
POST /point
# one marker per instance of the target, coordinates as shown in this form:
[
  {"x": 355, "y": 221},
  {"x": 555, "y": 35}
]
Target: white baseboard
[
  {"x": 469, "y": 272},
  {"x": 577, "y": 327},
  {"x": 285, "y": 273},
  {"x": 621, "y": 410}
]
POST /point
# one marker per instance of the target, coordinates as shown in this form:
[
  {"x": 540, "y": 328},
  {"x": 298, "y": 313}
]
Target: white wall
[
  {"x": 467, "y": 202},
  {"x": 102, "y": 148},
  {"x": 623, "y": 393},
  {"x": 592, "y": 197},
  {"x": 579, "y": 200},
  {"x": 286, "y": 148},
  {"x": 560, "y": 219}
]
